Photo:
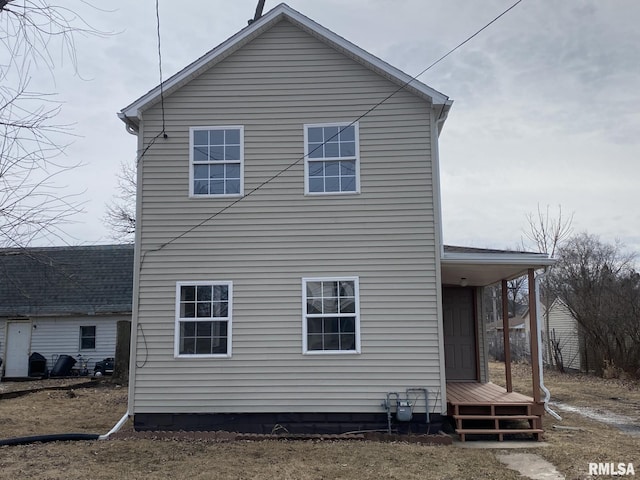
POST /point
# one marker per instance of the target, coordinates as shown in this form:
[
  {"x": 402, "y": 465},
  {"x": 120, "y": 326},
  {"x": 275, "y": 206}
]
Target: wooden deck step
[
  {"x": 463, "y": 432},
  {"x": 495, "y": 417},
  {"x": 487, "y": 409},
  {"x": 489, "y": 431}
]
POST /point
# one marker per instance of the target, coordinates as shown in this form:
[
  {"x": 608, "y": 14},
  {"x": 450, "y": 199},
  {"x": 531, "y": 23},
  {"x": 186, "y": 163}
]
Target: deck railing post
[
  {"x": 533, "y": 335},
  {"x": 505, "y": 336}
]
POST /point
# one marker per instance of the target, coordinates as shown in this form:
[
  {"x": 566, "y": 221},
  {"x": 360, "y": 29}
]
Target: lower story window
[
  {"x": 331, "y": 315},
  {"x": 88, "y": 337},
  {"x": 203, "y": 319}
]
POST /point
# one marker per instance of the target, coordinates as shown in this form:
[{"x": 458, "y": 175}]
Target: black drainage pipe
[{"x": 60, "y": 437}]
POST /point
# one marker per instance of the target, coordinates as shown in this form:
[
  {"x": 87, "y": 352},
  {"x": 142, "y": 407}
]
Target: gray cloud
[{"x": 545, "y": 110}]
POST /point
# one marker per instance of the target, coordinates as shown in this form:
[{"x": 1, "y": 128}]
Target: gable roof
[
  {"x": 66, "y": 280},
  {"x": 131, "y": 114},
  {"x": 560, "y": 305}
]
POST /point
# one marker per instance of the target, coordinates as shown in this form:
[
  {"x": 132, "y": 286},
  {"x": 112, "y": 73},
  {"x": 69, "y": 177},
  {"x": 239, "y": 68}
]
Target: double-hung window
[
  {"x": 331, "y": 315},
  {"x": 88, "y": 337},
  {"x": 331, "y": 158},
  {"x": 216, "y": 161},
  {"x": 203, "y": 319}
]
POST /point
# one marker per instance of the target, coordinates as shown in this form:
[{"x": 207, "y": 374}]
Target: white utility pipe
[
  {"x": 116, "y": 427},
  {"x": 547, "y": 394}
]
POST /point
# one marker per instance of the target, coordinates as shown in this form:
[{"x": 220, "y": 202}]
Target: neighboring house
[
  {"x": 517, "y": 326},
  {"x": 289, "y": 270},
  {"x": 565, "y": 338},
  {"x": 518, "y": 338},
  {"x": 62, "y": 301}
]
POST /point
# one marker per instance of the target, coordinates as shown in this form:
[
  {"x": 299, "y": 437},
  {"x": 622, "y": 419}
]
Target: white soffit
[
  {"x": 532, "y": 260},
  {"x": 481, "y": 269}
]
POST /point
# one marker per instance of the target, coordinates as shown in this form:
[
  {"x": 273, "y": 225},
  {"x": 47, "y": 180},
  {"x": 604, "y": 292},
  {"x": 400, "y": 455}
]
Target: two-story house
[{"x": 290, "y": 268}]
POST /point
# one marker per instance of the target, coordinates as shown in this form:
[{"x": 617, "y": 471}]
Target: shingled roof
[
  {"x": 66, "y": 280},
  {"x": 459, "y": 249}
]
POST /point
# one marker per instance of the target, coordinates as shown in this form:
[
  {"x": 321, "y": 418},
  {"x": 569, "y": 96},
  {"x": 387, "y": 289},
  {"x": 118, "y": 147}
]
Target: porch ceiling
[{"x": 481, "y": 268}]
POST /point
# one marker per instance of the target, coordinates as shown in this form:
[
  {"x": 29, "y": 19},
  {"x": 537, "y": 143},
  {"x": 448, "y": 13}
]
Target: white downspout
[
  {"x": 116, "y": 427},
  {"x": 547, "y": 394}
]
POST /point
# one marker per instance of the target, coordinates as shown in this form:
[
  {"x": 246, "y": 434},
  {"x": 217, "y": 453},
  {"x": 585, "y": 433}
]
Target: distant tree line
[{"x": 600, "y": 286}]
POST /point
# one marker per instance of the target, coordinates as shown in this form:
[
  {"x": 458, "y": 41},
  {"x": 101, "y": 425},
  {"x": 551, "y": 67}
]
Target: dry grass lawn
[
  {"x": 572, "y": 450},
  {"x": 97, "y": 409},
  {"x": 618, "y": 396}
]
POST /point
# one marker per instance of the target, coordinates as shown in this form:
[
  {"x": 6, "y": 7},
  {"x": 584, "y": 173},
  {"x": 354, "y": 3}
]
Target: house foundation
[{"x": 293, "y": 423}]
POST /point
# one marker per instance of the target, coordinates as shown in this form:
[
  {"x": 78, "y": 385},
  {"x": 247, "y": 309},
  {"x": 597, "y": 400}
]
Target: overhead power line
[
  {"x": 293, "y": 164},
  {"x": 160, "y": 67}
]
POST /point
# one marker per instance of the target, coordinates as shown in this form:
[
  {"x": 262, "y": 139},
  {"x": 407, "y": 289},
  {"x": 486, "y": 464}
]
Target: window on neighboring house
[
  {"x": 203, "y": 319},
  {"x": 88, "y": 337},
  {"x": 331, "y": 158},
  {"x": 331, "y": 315},
  {"x": 217, "y": 161}
]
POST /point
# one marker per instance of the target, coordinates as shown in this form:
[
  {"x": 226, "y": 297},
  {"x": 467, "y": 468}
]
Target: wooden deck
[{"x": 488, "y": 409}]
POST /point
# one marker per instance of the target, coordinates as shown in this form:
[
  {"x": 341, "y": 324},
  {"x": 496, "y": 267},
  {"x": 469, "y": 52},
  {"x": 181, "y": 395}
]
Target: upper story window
[
  {"x": 216, "y": 161},
  {"x": 203, "y": 319},
  {"x": 331, "y": 315},
  {"x": 331, "y": 158}
]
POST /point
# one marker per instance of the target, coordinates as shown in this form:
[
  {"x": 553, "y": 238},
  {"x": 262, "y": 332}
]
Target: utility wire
[
  {"x": 290, "y": 166},
  {"x": 160, "y": 68},
  {"x": 163, "y": 132},
  {"x": 465, "y": 41}
]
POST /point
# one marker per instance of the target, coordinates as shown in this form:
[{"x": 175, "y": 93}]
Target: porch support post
[
  {"x": 533, "y": 329},
  {"x": 506, "y": 337}
]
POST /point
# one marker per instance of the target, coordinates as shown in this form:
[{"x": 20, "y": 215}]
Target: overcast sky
[{"x": 546, "y": 101}]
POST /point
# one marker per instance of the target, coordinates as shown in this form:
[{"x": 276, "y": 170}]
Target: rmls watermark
[{"x": 612, "y": 469}]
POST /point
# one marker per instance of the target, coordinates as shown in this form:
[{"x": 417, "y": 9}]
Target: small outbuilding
[{"x": 62, "y": 301}]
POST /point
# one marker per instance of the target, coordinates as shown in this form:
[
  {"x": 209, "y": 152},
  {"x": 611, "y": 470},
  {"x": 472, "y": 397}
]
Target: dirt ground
[{"x": 97, "y": 408}]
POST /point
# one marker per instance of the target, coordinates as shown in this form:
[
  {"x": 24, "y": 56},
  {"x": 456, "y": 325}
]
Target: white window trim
[
  {"x": 228, "y": 319},
  {"x": 191, "y": 163},
  {"x": 356, "y": 288},
  {"x": 306, "y": 157}
]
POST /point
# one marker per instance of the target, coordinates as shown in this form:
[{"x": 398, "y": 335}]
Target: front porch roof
[{"x": 480, "y": 267}]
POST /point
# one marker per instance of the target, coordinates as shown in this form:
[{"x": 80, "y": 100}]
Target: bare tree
[
  {"x": 547, "y": 234},
  {"x": 516, "y": 296},
  {"x": 32, "y": 144},
  {"x": 121, "y": 211},
  {"x": 601, "y": 288}
]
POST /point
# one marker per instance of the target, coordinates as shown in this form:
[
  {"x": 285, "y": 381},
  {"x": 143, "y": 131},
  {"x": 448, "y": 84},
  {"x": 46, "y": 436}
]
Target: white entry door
[{"x": 17, "y": 349}]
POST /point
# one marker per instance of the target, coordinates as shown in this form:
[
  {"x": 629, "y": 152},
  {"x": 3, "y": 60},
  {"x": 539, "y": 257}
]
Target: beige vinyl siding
[
  {"x": 274, "y": 237},
  {"x": 565, "y": 328}
]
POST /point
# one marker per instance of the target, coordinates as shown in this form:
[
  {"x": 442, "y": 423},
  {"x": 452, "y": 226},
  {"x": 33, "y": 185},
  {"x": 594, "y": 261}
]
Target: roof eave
[
  {"x": 132, "y": 123},
  {"x": 531, "y": 260}
]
